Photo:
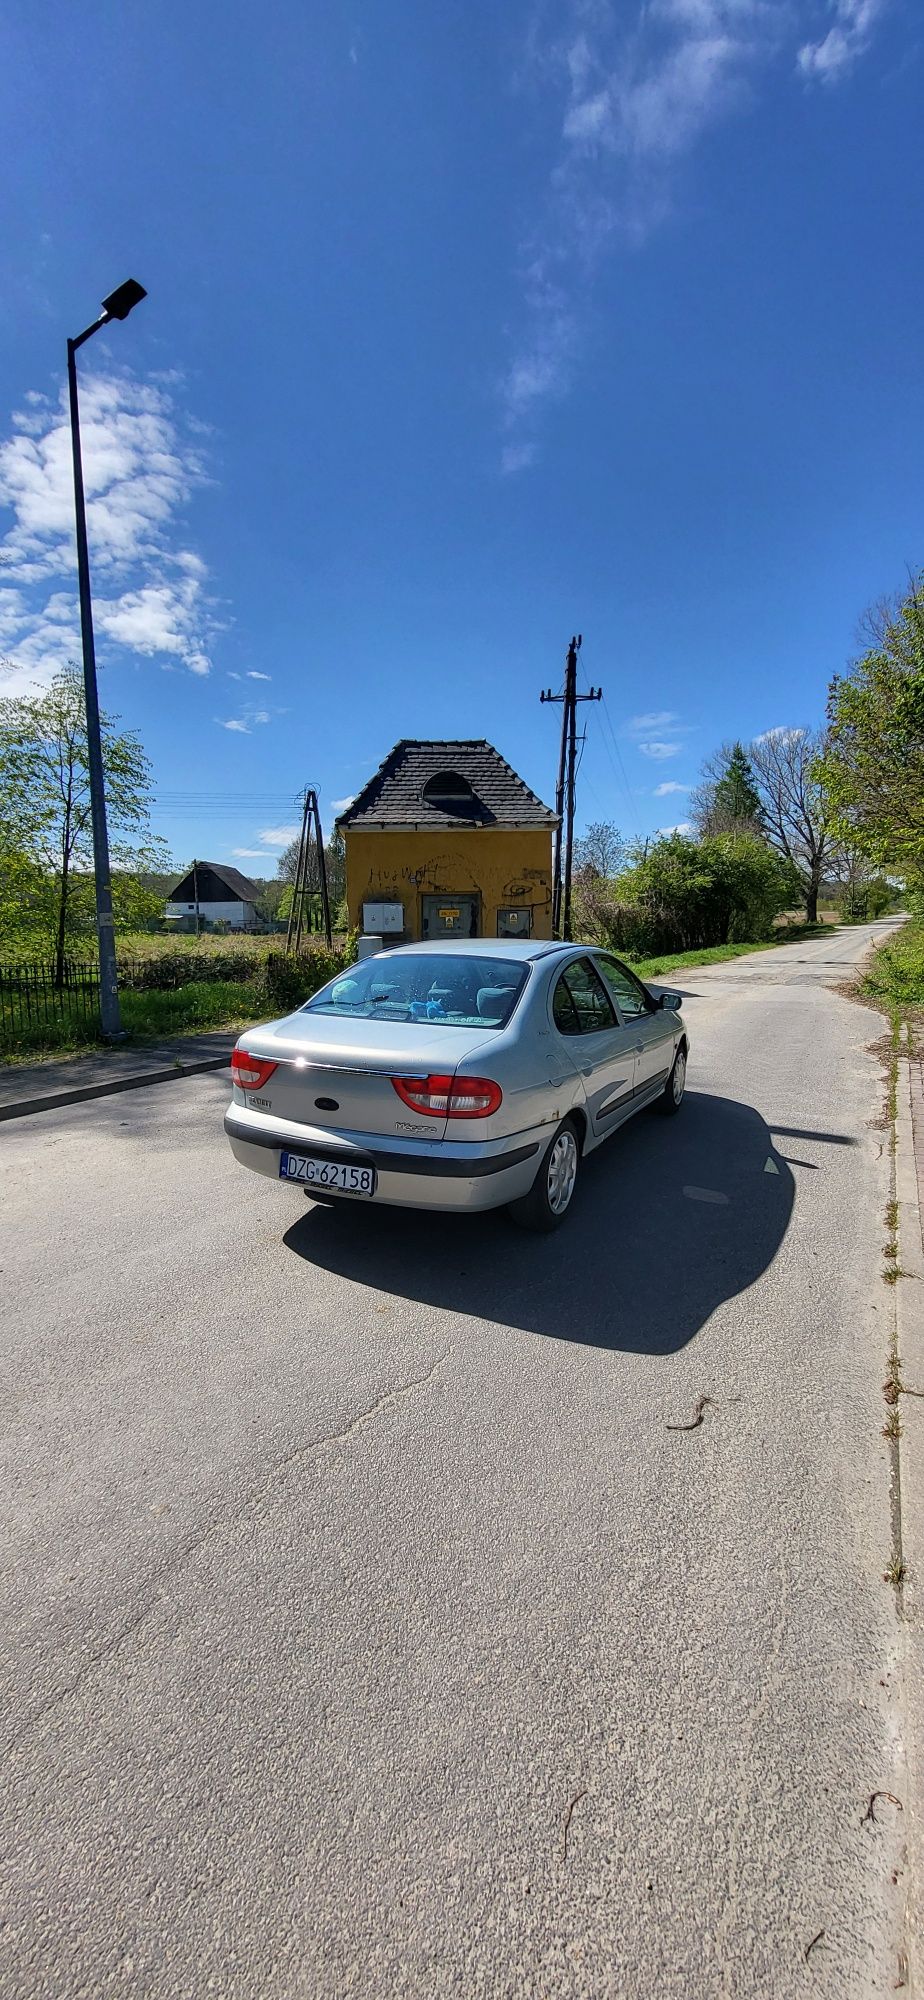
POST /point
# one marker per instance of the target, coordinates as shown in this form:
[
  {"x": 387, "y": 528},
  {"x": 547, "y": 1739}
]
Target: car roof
[{"x": 516, "y": 948}]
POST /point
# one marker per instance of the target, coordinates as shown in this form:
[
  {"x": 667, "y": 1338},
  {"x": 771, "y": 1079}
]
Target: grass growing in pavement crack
[{"x": 896, "y": 1572}]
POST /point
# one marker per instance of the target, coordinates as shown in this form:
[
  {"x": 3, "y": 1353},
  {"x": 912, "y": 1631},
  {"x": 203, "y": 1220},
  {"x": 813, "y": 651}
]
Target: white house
[{"x": 222, "y": 895}]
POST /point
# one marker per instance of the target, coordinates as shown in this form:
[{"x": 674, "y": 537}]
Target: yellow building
[{"x": 447, "y": 841}]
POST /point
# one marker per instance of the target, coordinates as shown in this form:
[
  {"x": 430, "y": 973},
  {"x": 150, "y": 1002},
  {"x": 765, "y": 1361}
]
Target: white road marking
[{"x": 771, "y": 1167}]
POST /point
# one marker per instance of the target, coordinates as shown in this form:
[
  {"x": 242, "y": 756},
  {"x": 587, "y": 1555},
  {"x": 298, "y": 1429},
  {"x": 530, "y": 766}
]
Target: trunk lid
[{"x": 336, "y": 1073}]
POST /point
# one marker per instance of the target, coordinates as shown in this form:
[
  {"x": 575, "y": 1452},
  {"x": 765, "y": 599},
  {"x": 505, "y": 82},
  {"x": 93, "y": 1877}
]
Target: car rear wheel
[
  {"x": 551, "y": 1194},
  {"x": 671, "y": 1096}
]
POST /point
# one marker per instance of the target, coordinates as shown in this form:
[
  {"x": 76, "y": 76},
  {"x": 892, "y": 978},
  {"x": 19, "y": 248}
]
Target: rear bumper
[{"x": 432, "y": 1174}]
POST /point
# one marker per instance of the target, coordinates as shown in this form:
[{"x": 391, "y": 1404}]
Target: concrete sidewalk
[{"x": 45, "y": 1086}]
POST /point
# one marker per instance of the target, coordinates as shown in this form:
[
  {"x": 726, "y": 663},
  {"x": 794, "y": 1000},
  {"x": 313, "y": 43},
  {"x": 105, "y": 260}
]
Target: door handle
[{"x": 640, "y": 1048}]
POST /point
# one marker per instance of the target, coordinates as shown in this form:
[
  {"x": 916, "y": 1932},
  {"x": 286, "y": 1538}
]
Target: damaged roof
[{"x": 446, "y": 783}]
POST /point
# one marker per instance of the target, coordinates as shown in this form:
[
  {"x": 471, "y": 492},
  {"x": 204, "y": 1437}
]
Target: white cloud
[
  {"x": 247, "y": 717},
  {"x": 157, "y": 619},
  {"x": 235, "y": 677},
  {"x": 251, "y": 854},
  {"x": 659, "y": 734},
  {"x": 279, "y": 836},
  {"x": 340, "y": 805},
  {"x": 844, "y": 43},
  {"x": 632, "y": 87},
  {"x": 252, "y": 676},
  {"x": 661, "y": 791},
  {"x": 664, "y": 832},
  {"x": 658, "y": 718},
  {"x": 140, "y": 469}
]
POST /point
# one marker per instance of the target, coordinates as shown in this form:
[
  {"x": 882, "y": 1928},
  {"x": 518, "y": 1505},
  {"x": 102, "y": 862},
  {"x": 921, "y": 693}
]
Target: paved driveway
[{"x": 369, "y": 1631}]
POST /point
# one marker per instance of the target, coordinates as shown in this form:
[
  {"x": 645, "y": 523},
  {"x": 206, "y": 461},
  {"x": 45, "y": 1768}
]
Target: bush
[
  {"x": 684, "y": 895},
  {"x": 896, "y": 973},
  {"x": 290, "y": 981},
  {"x": 180, "y": 968}
]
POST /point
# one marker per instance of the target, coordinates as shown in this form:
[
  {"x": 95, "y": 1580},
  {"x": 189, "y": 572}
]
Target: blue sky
[{"x": 467, "y": 327}]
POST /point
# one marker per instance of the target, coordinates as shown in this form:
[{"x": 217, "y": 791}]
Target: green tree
[
  {"x": 45, "y": 804},
  {"x": 737, "y": 800},
  {"x": 873, "y": 761},
  {"x": 727, "y": 800}
]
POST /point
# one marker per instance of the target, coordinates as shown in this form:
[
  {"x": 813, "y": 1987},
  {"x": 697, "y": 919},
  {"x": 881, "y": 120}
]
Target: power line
[{"x": 630, "y": 795}]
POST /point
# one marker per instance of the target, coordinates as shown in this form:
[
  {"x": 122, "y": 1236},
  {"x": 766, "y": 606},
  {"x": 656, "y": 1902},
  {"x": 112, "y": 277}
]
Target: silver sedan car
[{"x": 456, "y": 1075}]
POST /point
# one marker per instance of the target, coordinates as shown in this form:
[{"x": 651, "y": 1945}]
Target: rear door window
[
  {"x": 580, "y": 1003},
  {"x": 627, "y": 991}
]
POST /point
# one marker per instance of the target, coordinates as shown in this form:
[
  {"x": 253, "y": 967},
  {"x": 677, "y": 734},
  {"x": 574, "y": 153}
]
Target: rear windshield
[{"x": 458, "y": 991}]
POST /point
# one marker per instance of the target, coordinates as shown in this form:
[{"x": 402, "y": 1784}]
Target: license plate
[{"x": 327, "y": 1174}]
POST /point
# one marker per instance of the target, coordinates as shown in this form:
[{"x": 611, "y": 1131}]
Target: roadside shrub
[
  {"x": 181, "y": 968},
  {"x": 895, "y": 973},
  {"x": 684, "y": 895},
  {"x": 290, "y": 981}
]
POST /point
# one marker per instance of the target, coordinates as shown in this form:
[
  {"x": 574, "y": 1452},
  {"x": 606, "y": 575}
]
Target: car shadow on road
[{"x": 671, "y": 1218}]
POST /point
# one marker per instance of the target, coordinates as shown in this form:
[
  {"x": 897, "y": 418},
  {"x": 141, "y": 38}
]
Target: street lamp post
[{"x": 118, "y": 306}]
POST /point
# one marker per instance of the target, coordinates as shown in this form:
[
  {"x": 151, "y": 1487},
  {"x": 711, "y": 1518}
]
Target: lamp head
[{"x": 120, "y": 302}]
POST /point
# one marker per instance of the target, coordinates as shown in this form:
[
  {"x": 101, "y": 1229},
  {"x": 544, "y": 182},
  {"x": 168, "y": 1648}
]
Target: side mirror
[{"x": 672, "y": 1000}]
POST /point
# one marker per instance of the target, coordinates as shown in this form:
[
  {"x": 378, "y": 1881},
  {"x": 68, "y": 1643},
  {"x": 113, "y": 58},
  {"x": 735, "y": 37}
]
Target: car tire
[
  {"x": 671, "y": 1096},
  {"x": 549, "y": 1199}
]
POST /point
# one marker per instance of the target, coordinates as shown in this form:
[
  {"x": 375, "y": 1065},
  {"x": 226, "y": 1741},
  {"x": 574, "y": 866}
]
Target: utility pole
[
  {"x": 311, "y": 826},
  {"x": 565, "y": 789},
  {"x": 118, "y": 306},
  {"x": 322, "y": 872}
]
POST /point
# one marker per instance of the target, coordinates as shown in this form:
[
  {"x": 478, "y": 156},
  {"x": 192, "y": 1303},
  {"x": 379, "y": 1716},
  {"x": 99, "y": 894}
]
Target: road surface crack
[
  {"x": 701, "y": 1405},
  {"x": 570, "y": 1809},
  {"x": 190, "y": 1548}
]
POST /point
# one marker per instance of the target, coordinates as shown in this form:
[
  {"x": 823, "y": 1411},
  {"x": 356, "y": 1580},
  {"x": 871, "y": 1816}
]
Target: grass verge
[
  {"x": 894, "y": 976},
  {"x": 146, "y": 1017},
  {"x": 674, "y": 961}
]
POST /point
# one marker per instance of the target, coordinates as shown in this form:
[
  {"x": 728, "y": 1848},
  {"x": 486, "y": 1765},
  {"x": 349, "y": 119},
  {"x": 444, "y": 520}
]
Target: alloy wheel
[{"x": 563, "y": 1163}]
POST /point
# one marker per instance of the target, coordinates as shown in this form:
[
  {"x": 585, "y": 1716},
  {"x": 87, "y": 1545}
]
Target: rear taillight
[
  {"x": 449, "y": 1096},
  {"x": 251, "y": 1072}
]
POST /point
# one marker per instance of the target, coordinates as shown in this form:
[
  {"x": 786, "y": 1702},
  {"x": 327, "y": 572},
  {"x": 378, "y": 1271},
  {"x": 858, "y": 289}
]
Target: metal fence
[
  {"x": 32, "y": 1000},
  {"x": 38, "y": 1010}
]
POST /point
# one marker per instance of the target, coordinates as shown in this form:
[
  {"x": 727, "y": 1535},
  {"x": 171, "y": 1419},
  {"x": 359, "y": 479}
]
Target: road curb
[
  {"x": 25, "y": 1107},
  {"x": 909, "y": 1310}
]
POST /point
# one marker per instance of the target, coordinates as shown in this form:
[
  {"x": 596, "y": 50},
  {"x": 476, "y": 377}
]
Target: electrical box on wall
[{"x": 383, "y": 918}]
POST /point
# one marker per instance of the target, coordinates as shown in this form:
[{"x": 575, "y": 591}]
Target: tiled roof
[
  {"x": 240, "y": 887},
  {"x": 395, "y": 796}
]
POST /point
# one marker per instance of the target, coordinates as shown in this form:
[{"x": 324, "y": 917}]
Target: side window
[
  {"x": 579, "y": 1004},
  {"x": 563, "y": 1014},
  {"x": 625, "y": 989}
]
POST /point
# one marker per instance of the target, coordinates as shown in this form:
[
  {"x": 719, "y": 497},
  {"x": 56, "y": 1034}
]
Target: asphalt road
[{"x": 367, "y": 1629}]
